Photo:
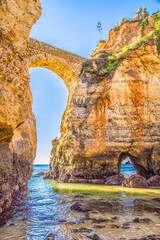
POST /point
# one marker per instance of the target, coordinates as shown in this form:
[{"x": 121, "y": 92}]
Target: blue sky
[{"x": 70, "y": 25}]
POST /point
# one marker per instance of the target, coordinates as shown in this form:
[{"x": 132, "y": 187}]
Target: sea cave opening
[
  {"x": 49, "y": 102},
  {"x": 125, "y": 165}
]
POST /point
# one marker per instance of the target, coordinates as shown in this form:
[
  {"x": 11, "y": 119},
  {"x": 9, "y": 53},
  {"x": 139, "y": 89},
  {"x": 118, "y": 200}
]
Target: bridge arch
[{"x": 65, "y": 64}]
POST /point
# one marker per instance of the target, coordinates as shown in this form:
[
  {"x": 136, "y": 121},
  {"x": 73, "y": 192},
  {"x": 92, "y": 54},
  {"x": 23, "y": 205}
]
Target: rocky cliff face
[
  {"x": 115, "y": 110},
  {"x": 17, "y": 122}
]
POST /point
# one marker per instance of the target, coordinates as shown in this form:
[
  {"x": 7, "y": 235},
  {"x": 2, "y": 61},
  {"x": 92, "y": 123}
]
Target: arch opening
[
  {"x": 126, "y": 165},
  {"x": 50, "y": 96},
  {"x": 136, "y": 164}
]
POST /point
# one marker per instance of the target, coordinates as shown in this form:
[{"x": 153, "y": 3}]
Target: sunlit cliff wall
[
  {"x": 17, "y": 122},
  {"x": 115, "y": 108}
]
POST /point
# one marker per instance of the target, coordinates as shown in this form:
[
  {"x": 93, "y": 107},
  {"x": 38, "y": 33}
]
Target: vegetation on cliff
[{"x": 140, "y": 41}]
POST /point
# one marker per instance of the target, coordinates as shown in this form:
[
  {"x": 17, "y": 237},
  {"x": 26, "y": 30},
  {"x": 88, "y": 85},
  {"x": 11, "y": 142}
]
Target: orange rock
[{"x": 115, "y": 111}]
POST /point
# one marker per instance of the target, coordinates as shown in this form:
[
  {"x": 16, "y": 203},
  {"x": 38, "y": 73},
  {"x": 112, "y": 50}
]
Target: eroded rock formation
[
  {"x": 17, "y": 122},
  {"x": 135, "y": 181},
  {"x": 115, "y": 108}
]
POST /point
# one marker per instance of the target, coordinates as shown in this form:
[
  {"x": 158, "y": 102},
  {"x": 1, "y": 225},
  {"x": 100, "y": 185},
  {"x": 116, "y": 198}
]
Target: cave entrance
[
  {"x": 50, "y": 96},
  {"x": 125, "y": 165},
  {"x": 127, "y": 168}
]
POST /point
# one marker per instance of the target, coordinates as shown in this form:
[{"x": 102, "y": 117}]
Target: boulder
[
  {"x": 154, "y": 181},
  {"x": 81, "y": 207},
  {"x": 62, "y": 221},
  {"x": 142, "y": 220},
  {"x": 48, "y": 175},
  {"x": 94, "y": 237},
  {"x": 151, "y": 237},
  {"x": 115, "y": 180},
  {"x": 135, "y": 181},
  {"x": 41, "y": 173},
  {"x": 51, "y": 236}
]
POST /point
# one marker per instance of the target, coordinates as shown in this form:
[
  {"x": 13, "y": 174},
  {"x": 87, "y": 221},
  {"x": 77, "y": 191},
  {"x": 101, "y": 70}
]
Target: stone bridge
[{"x": 65, "y": 64}]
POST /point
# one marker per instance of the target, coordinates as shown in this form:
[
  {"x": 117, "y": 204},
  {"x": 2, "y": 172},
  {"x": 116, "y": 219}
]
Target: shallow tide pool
[{"x": 117, "y": 213}]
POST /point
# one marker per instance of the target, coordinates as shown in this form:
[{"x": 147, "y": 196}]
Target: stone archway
[{"x": 63, "y": 63}]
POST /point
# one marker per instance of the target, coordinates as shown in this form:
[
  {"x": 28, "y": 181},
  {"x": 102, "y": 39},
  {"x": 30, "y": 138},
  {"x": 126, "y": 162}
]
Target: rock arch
[
  {"x": 136, "y": 164},
  {"x": 65, "y": 64}
]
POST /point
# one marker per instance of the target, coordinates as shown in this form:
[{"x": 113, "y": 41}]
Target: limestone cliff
[
  {"x": 115, "y": 108},
  {"x": 18, "y": 53},
  {"x": 17, "y": 122}
]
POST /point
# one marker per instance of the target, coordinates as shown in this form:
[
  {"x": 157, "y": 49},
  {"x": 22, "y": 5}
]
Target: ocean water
[
  {"x": 128, "y": 169},
  {"x": 46, "y": 209}
]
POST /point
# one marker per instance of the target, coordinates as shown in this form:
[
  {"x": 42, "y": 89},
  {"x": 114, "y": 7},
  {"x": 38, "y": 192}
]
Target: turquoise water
[
  {"x": 46, "y": 209},
  {"x": 128, "y": 169}
]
